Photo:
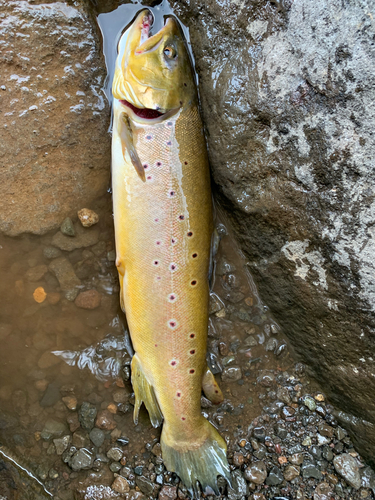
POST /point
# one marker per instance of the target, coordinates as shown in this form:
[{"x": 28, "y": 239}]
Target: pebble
[
  {"x": 61, "y": 444},
  {"x": 238, "y": 459},
  {"x": 70, "y": 402},
  {"x": 291, "y": 472},
  {"x": 83, "y": 238},
  {"x": 97, "y": 436},
  {"x": 67, "y": 227},
  {"x": 89, "y": 299},
  {"x": 138, "y": 470},
  {"x": 52, "y": 428},
  {"x": 322, "y": 439},
  {"x": 326, "y": 430},
  {"x": 105, "y": 420},
  {"x": 51, "y": 252},
  {"x": 114, "y": 454},
  {"x": 87, "y": 414},
  {"x": 309, "y": 403},
  {"x": 145, "y": 485},
  {"x": 65, "y": 274},
  {"x": 53, "y": 298},
  {"x": 307, "y": 441},
  {"x": 88, "y": 217},
  {"x": 168, "y": 493},
  {"x": 250, "y": 341},
  {"x": 231, "y": 374},
  {"x": 239, "y": 486},
  {"x": 256, "y": 473},
  {"x": 39, "y": 295},
  {"x": 347, "y": 467},
  {"x": 275, "y": 477},
  {"x": 310, "y": 470},
  {"x": 120, "y": 485},
  {"x": 73, "y": 422},
  {"x": 36, "y": 273},
  {"x": 51, "y": 396},
  {"x": 82, "y": 459},
  {"x": 80, "y": 439},
  {"x": 114, "y": 467}
]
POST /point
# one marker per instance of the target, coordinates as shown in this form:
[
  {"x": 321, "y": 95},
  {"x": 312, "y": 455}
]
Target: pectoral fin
[
  {"x": 144, "y": 393},
  {"x": 210, "y": 387},
  {"x": 128, "y": 145}
]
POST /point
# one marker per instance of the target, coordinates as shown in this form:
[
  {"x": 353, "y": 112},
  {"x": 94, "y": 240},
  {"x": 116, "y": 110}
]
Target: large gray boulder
[
  {"x": 288, "y": 98},
  {"x": 54, "y": 145}
]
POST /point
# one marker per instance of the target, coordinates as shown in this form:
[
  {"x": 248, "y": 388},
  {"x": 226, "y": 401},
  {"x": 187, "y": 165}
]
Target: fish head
[{"x": 154, "y": 72}]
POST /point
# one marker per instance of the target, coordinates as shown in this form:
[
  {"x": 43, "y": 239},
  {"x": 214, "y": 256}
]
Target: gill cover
[{"x": 154, "y": 72}]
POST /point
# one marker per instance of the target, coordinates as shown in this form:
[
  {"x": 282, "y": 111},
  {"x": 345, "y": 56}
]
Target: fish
[{"x": 163, "y": 222}]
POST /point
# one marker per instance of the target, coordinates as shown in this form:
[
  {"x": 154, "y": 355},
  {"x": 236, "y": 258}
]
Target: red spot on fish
[
  {"x": 172, "y": 324},
  {"x": 173, "y": 241},
  {"x": 158, "y": 164},
  {"x": 181, "y": 217},
  {"x": 173, "y": 363},
  {"x": 145, "y": 166},
  {"x": 171, "y": 193},
  {"x": 190, "y": 233},
  {"x": 172, "y": 297},
  {"x": 156, "y": 345},
  {"x": 192, "y": 351},
  {"x": 149, "y": 177},
  {"x": 179, "y": 394},
  {"x": 191, "y": 371},
  {"x": 183, "y": 418},
  {"x": 173, "y": 267},
  {"x": 156, "y": 220},
  {"x": 158, "y": 242},
  {"x": 193, "y": 283}
]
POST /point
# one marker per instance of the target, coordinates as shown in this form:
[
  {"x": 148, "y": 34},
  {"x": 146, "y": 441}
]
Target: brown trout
[{"x": 163, "y": 227}]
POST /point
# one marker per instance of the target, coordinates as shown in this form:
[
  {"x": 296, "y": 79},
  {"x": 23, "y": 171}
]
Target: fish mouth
[{"x": 144, "y": 113}]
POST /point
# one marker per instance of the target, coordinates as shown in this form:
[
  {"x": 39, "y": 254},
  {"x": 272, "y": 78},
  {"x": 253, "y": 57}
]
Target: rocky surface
[
  {"x": 54, "y": 145},
  {"x": 288, "y": 96}
]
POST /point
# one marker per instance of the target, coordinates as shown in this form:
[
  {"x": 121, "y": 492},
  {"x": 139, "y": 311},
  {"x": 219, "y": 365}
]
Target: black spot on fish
[
  {"x": 190, "y": 233},
  {"x": 195, "y": 255},
  {"x": 193, "y": 283},
  {"x": 181, "y": 217}
]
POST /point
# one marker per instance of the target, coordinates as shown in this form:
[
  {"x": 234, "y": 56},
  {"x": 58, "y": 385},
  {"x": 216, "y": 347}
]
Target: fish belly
[{"x": 163, "y": 232}]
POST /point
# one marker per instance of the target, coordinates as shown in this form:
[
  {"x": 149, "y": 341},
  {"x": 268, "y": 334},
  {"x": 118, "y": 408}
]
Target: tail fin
[{"x": 194, "y": 462}]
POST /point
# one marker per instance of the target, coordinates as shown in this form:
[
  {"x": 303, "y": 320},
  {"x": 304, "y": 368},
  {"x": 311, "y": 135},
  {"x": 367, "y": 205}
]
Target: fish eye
[{"x": 170, "y": 52}]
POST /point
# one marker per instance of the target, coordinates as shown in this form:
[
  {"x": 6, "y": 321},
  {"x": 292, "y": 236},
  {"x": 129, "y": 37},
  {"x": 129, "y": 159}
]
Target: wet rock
[
  {"x": 97, "y": 436},
  {"x": 260, "y": 453},
  {"x": 105, "y": 420},
  {"x": 291, "y": 472},
  {"x": 73, "y": 422},
  {"x": 70, "y": 402},
  {"x": 275, "y": 477},
  {"x": 239, "y": 486},
  {"x": 266, "y": 378},
  {"x": 114, "y": 454},
  {"x": 90, "y": 299},
  {"x": 327, "y": 453},
  {"x": 250, "y": 341},
  {"x": 309, "y": 403},
  {"x": 368, "y": 478},
  {"x": 325, "y": 430},
  {"x": 65, "y": 274},
  {"x": 87, "y": 414},
  {"x": 67, "y": 227},
  {"x": 310, "y": 470},
  {"x": 256, "y": 473},
  {"x": 80, "y": 439},
  {"x": 83, "y": 238},
  {"x": 61, "y": 444},
  {"x": 36, "y": 273},
  {"x": 347, "y": 467},
  {"x": 88, "y": 217},
  {"x": 52, "y": 429},
  {"x": 145, "y": 485},
  {"x": 51, "y": 252},
  {"x": 168, "y": 493},
  {"x": 114, "y": 467},
  {"x": 238, "y": 459},
  {"x": 231, "y": 374},
  {"x": 120, "y": 485},
  {"x": 82, "y": 459},
  {"x": 51, "y": 396},
  {"x": 47, "y": 127}
]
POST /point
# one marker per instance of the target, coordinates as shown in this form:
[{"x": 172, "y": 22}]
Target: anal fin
[
  {"x": 211, "y": 388},
  {"x": 144, "y": 393}
]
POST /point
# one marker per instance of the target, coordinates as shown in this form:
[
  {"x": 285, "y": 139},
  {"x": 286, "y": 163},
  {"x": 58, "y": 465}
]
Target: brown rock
[
  {"x": 238, "y": 459},
  {"x": 64, "y": 272},
  {"x": 88, "y": 300},
  {"x": 73, "y": 422},
  {"x": 83, "y": 238},
  {"x": 88, "y": 217},
  {"x": 291, "y": 471},
  {"x": 256, "y": 473},
  {"x": 105, "y": 420},
  {"x": 54, "y": 140},
  {"x": 70, "y": 402},
  {"x": 53, "y": 298},
  {"x": 39, "y": 295},
  {"x": 168, "y": 493},
  {"x": 120, "y": 485},
  {"x": 36, "y": 273}
]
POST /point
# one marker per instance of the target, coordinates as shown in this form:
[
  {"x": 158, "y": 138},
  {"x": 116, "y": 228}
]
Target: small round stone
[
  {"x": 67, "y": 227},
  {"x": 88, "y": 217},
  {"x": 90, "y": 299}
]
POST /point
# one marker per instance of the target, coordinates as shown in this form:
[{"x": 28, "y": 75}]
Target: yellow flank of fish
[{"x": 163, "y": 226}]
